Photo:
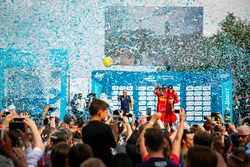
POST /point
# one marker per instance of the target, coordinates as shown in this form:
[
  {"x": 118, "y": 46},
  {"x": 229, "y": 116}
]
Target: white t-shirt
[{"x": 33, "y": 155}]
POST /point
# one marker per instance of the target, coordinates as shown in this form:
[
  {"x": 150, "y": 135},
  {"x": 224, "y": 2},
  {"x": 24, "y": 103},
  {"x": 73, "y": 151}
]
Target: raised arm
[
  {"x": 142, "y": 147},
  {"x": 176, "y": 147},
  {"x": 156, "y": 91},
  {"x": 129, "y": 128},
  {"x": 35, "y": 132}
]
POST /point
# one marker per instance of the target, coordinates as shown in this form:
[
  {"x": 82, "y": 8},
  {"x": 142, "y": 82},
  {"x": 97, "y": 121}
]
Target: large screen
[
  {"x": 201, "y": 93},
  {"x": 153, "y": 35}
]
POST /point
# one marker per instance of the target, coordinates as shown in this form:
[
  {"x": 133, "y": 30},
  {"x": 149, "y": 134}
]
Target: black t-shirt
[
  {"x": 157, "y": 162},
  {"x": 125, "y": 101},
  {"x": 100, "y": 138}
]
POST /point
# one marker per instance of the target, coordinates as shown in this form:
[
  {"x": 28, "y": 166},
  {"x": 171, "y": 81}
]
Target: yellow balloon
[{"x": 107, "y": 61}]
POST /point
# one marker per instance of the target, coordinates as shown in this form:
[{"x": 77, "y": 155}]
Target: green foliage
[{"x": 228, "y": 49}]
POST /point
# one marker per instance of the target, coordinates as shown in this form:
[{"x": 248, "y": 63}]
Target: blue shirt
[
  {"x": 246, "y": 149},
  {"x": 125, "y": 101}
]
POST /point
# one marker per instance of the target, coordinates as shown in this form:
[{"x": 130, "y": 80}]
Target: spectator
[
  {"x": 208, "y": 126},
  {"x": 238, "y": 159},
  {"x": 59, "y": 155},
  {"x": 6, "y": 150},
  {"x": 245, "y": 121},
  {"x": 55, "y": 138},
  {"x": 97, "y": 134},
  {"x": 217, "y": 143},
  {"x": 154, "y": 142},
  {"x": 202, "y": 138},
  {"x": 80, "y": 103},
  {"x": 200, "y": 156},
  {"x": 186, "y": 142},
  {"x": 244, "y": 138},
  {"x": 132, "y": 148},
  {"x": 149, "y": 143},
  {"x": 74, "y": 104},
  {"x": 78, "y": 154},
  {"x": 35, "y": 152},
  {"x": 93, "y": 162}
]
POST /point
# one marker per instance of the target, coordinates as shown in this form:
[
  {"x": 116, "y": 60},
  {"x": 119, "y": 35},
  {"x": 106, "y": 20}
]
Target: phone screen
[
  {"x": 18, "y": 119},
  {"x": 177, "y": 111},
  {"x": 16, "y": 125}
]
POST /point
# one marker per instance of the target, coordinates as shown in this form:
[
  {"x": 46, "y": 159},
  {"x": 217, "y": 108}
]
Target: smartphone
[
  {"x": 51, "y": 109},
  {"x": 149, "y": 111},
  {"x": 18, "y": 119},
  {"x": 128, "y": 115},
  {"x": 17, "y": 125},
  {"x": 177, "y": 111},
  {"x": 116, "y": 112}
]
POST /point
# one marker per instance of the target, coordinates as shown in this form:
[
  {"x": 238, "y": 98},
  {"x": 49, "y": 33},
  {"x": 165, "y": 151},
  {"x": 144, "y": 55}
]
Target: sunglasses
[{"x": 242, "y": 136}]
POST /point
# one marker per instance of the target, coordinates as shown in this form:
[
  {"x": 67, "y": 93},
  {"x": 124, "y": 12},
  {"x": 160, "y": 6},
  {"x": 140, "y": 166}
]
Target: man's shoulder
[{"x": 96, "y": 124}]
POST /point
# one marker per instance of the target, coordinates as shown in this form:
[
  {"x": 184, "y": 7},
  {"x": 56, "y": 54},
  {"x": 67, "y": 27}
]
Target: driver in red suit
[
  {"x": 166, "y": 100},
  {"x": 172, "y": 98},
  {"x": 161, "y": 93}
]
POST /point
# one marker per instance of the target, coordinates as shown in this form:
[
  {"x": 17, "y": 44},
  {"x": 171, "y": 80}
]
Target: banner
[
  {"x": 227, "y": 99},
  {"x": 200, "y": 93}
]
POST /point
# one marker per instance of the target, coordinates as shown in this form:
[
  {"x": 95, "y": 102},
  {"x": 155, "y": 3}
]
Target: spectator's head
[
  {"x": 244, "y": 135},
  {"x": 93, "y": 162},
  {"x": 217, "y": 143},
  {"x": 202, "y": 138},
  {"x": 187, "y": 139},
  {"x": 238, "y": 158},
  {"x": 68, "y": 133},
  {"x": 59, "y": 154},
  {"x": 198, "y": 156},
  {"x": 154, "y": 140},
  {"x": 124, "y": 92},
  {"x": 57, "y": 137},
  {"x": 208, "y": 126},
  {"x": 121, "y": 160},
  {"x": 99, "y": 109},
  {"x": 80, "y": 95},
  {"x": 246, "y": 121},
  {"x": 78, "y": 154},
  {"x": 195, "y": 128}
]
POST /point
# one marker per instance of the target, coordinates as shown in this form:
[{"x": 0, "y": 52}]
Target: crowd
[{"x": 116, "y": 140}]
